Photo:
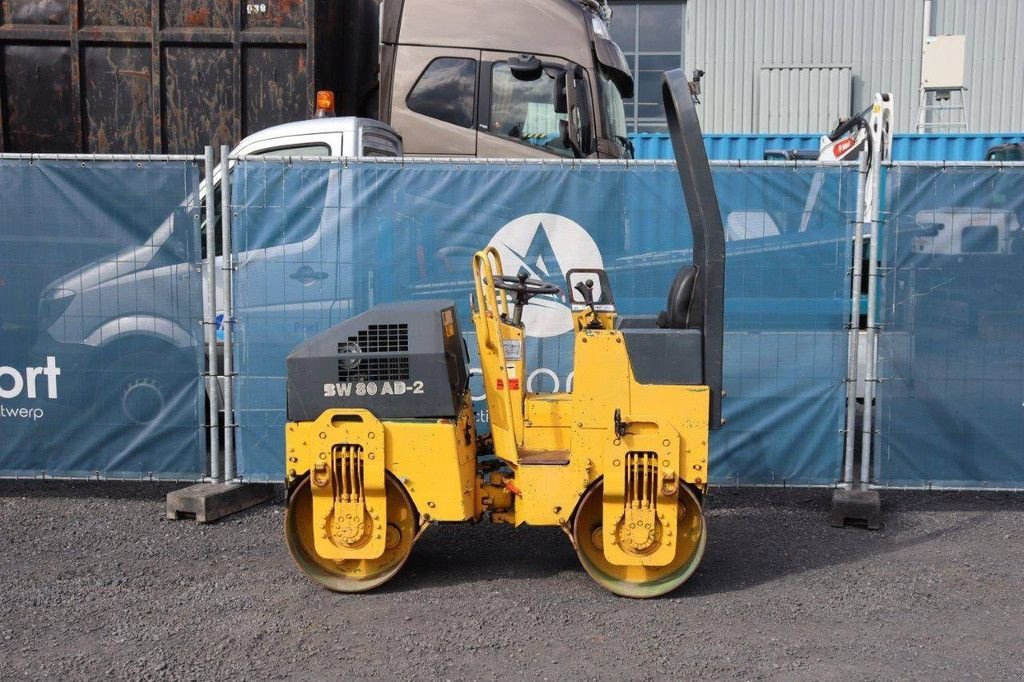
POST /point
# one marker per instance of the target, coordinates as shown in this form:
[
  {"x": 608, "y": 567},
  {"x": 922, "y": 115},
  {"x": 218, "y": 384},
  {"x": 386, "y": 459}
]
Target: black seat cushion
[{"x": 680, "y": 296}]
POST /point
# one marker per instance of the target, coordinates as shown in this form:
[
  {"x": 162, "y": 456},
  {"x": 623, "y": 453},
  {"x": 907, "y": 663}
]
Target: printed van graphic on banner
[
  {"x": 546, "y": 246},
  {"x": 100, "y": 337}
]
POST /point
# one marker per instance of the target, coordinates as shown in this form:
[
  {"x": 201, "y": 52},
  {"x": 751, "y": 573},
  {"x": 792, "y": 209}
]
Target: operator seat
[{"x": 680, "y": 296}]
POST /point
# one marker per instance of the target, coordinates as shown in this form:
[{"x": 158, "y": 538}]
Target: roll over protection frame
[{"x": 706, "y": 224}]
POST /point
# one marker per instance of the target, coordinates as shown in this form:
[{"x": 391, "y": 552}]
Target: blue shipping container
[{"x": 905, "y": 147}]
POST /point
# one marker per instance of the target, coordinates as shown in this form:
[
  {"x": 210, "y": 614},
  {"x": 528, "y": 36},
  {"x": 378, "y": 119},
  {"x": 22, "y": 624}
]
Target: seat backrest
[{"x": 680, "y": 296}]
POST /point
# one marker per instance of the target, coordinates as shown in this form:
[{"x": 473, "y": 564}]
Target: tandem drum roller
[{"x": 381, "y": 438}]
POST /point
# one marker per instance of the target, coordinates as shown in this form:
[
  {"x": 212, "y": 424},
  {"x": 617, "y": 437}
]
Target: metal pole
[
  {"x": 927, "y": 24},
  {"x": 873, "y": 187},
  {"x": 922, "y": 112},
  {"x": 229, "y": 315},
  {"x": 854, "y": 333},
  {"x": 210, "y": 323}
]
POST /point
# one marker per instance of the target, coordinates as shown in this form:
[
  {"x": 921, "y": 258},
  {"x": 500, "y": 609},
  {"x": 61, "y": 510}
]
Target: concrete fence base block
[
  {"x": 207, "y": 502},
  {"x": 856, "y": 507}
]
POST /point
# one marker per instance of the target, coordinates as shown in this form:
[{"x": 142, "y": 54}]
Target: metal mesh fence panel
[
  {"x": 100, "y": 352},
  {"x": 950, "y": 361},
  {"x": 317, "y": 242}
]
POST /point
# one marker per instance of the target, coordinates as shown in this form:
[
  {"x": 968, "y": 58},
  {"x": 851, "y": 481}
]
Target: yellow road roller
[{"x": 381, "y": 438}]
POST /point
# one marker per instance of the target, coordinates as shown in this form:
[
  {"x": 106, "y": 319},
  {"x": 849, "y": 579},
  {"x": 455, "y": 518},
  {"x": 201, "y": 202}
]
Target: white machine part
[
  {"x": 846, "y": 141},
  {"x": 870, "y": 129}
]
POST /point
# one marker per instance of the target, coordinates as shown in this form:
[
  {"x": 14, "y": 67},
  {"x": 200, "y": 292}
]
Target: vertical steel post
[
  {"x": 228, "y": 324},
  {"x": 922, "y": 100},
  {"x": 871, "y": 217},
  {"x": 854, "y": 331},
  {"x": 210, "y": 313}
]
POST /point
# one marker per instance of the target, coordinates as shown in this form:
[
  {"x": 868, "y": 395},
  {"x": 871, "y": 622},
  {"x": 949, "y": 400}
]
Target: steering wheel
[{"x": 524, "y": 289}]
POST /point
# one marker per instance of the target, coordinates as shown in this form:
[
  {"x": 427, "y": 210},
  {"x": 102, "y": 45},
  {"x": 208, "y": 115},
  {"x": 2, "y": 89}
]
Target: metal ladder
[{"x": 924, "y": 108}]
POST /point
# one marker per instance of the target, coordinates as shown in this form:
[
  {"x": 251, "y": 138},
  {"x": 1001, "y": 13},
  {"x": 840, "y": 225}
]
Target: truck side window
[
  {"x": 378, "y": 145},
  {"x": 446, "y": 91},
  {"x": 524, "y": 111}
]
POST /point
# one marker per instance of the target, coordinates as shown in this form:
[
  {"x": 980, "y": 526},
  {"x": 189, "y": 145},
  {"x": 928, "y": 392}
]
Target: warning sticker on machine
[{"x": 513, "y": 349}]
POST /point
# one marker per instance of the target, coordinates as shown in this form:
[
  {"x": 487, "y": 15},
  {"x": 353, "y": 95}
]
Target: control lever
[
  {"x": 586, "y": 289},
  {"x": 521, "y": 297}
]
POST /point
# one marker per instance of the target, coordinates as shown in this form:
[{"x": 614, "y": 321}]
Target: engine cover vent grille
[
  {"x": 378, "y": 338},
  {"x": 375, "y": 339}
]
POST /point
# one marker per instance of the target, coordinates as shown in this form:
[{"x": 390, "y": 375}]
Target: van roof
[{"x": 334, "y": 124}]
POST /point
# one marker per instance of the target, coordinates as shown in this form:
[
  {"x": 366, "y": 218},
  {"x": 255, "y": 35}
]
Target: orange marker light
[{"x": 324, "y": 103}]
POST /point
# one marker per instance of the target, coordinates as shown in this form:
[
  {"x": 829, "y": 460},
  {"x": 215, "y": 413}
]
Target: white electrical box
[{"x": 942, "y": 63}]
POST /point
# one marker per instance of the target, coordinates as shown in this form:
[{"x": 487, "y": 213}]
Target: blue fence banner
[
  {"x": 318, "y": 242},
  {"x": 100, "y": 297},
  {"x": 951, "y": 396}
]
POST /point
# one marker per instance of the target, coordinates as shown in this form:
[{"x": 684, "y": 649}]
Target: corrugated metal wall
[
  {"x": 880, "y": 40},
  {"x": 827, "y": 88}
]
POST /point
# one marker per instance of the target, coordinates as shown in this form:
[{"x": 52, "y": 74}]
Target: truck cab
[{"x": 503, "y": 79}]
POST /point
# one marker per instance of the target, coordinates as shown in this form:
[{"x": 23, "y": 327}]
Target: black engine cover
[{"x": 398, "y": 360}]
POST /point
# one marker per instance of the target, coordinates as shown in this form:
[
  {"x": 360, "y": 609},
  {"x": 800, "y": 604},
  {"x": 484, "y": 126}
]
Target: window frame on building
[{"x": 639, "y": 116}]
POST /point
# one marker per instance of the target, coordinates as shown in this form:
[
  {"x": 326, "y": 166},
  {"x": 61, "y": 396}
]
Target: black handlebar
[
  {"x": 849, "y": 124},
  {"x": 524, "y": 289}
]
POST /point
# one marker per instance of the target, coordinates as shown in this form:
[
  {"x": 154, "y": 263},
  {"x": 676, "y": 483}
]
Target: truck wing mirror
[
  {"x": 525, "y": 67},
  {"x": 561, "y": 97},
  {"x": 567, "y": 101}
]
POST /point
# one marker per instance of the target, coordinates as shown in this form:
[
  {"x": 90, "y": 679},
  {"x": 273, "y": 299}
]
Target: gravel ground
[{"x": 94, "y": 582}]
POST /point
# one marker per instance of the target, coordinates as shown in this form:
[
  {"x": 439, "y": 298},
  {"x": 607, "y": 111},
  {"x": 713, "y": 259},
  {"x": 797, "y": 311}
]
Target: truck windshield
[{"x": 613, "y": 111}]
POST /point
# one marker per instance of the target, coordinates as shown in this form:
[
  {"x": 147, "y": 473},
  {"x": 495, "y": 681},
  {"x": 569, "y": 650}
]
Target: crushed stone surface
[{"x": 95, "y": 582}]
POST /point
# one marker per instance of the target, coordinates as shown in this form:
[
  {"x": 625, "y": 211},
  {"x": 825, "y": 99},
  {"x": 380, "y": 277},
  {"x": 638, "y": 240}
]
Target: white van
[{"x": 125, "y": 310}]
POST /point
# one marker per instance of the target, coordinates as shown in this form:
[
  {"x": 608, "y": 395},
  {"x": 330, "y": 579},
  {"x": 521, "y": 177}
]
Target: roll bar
[{"x": 706, "y": 224}]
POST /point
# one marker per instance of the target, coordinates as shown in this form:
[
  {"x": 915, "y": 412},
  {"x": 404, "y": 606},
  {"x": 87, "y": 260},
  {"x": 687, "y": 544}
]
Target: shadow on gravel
[
  {"x": 453, "y": 554},
  {"x": 897, "y": 501},
  {"x": 107, "y": 490},
  {"x": 893, "y": 501},
  {"x": 757, "y": 536}
]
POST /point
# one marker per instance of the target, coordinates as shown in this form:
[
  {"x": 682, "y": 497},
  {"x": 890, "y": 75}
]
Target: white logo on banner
[
  {"x": 547, "y": 246},
  {"x": 15, "y": 383}
]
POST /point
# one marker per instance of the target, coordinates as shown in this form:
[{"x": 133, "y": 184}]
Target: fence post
[
  {"x": 872, "y": 216},
  {"x": 210, "y": 323},
  {"x": 223, "y": 495},
  {"x": 229, "y": 315},
  {"x": 852, "y": 369},
  {"x": 854, "y": 500}
]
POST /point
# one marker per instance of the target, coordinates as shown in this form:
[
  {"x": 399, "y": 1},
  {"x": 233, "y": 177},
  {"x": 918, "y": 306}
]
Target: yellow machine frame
[
  {"x": 558, "y": 444},
  {"x": 646, "y": 444}
]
